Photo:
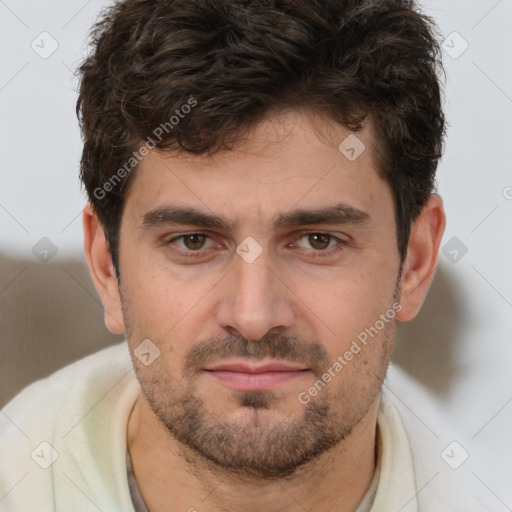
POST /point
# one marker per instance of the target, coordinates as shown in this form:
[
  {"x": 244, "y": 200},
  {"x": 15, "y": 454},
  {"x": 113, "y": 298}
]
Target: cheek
[
  {"x": 346, "y": 308},
  {"x": 159, "y": 298},
  {"x": 354, "y": 297},
  {"x": 166, "y": 311},
  {"x": 147, "y": 313}
]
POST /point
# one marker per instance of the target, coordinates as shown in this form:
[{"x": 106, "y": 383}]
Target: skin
[{"x": 291, "y": 303}]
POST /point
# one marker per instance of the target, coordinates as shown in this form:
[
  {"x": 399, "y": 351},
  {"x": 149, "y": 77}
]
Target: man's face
[{"x": 269, "y": 285}]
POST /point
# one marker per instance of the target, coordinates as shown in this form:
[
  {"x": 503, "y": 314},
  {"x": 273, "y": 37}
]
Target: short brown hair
[{"x": 236, "y": 61}]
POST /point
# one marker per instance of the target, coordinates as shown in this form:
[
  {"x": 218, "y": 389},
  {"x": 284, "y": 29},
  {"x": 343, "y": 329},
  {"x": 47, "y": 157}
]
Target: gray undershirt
[{"x": 140, "y": 506}]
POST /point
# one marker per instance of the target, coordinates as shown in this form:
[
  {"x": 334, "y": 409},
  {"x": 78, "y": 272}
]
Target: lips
[
  {"x": 256, "y": 367},
  {"x": 255, "y": 376}
]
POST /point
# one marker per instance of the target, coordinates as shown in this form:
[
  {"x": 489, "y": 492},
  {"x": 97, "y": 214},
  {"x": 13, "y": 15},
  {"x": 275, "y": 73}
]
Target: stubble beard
[{"x": 259, "y": 446}]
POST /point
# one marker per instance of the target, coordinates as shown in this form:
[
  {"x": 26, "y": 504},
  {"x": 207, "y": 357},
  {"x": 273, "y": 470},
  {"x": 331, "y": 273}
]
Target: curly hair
[{"x": 233, "y": 62}]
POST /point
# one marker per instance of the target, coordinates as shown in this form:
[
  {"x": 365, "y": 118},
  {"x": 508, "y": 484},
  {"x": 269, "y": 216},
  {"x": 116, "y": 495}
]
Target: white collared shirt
[{"x": 63, "y": 445}]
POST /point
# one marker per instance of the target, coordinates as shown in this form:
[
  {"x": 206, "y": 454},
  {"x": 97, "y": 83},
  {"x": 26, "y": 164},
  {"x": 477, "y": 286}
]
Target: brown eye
[
  {"x": 319, "y": 241},
  {"x": 320, "y": 245},
  {"x": 195, "y": 241}
]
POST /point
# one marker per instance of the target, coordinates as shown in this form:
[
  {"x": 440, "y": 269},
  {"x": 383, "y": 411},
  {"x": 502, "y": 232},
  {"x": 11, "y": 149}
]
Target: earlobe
[
  {"x": 102, "y": 270},
  {"x": 422, "y": 256}
]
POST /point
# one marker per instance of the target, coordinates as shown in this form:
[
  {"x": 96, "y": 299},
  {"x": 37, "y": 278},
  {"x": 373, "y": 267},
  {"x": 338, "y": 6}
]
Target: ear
[
  {"x": 102, "y": 270},
  {"x": 422, "y": 256}
]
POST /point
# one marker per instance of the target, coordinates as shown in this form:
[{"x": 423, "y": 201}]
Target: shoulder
[
  {"x": 59, "y": 425},
  {"x": 85, "y": 376},
  {"x": 440, "y": 451}
]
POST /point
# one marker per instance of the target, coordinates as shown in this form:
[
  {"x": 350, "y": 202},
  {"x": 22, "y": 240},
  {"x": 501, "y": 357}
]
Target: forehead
[{"x": 287, "y": 160}]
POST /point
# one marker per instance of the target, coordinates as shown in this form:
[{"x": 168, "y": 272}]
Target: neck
[{"x": 167, "y": 472}]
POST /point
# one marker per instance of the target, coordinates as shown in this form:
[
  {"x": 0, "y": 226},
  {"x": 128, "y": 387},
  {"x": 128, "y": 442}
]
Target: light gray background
[{"x": 461, "y": 344}]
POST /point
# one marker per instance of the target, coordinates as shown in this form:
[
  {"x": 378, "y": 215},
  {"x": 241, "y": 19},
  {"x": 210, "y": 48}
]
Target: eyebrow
[{"x": 177, "y": 215}]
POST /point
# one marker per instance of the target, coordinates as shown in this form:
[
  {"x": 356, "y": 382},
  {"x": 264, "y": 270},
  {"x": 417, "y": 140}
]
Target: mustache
[{"x": 275, "y": 346}]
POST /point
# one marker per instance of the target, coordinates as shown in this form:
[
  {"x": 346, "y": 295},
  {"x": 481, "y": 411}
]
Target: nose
[{"x": 255, "y": 300}]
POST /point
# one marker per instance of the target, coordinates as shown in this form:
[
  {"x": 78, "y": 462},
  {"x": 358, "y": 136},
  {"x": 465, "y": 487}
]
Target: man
[{"x": 261, "y": 215}]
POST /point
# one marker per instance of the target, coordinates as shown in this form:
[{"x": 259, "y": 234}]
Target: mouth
[{"x": 255, "y": 376}]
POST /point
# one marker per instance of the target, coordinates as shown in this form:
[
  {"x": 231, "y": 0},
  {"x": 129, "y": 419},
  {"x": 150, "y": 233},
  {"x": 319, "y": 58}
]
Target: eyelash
[{"x": 318, "y": 253}]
